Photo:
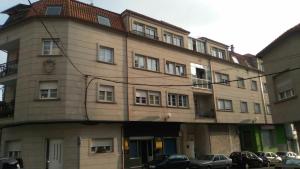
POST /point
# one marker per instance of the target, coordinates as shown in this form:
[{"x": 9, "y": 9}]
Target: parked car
[
  {"x": 266, "y": 161},
  {"x": 169, "y": 162},
  {"x": 274, "y": 158},
  {"x": 287, "y": 154},
  {"x": 8, "y": 163},
  {"x": 245, "y": 160},
  {"x": 290, "y": 163},
  {"x": 211, "y": 162}
]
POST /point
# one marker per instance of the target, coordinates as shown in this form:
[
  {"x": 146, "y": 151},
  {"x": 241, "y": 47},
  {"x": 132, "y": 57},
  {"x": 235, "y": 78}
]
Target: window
[
  {"x": 222, "y": 78},
  {"x": 141, "y": 97},
  {"x": 253, "y": 85},
  {"x": 177, "y": 40},
  {"x": 177, "y": 100},
  {"x": 53, "y": 10},
  {"x": 268, "y": 107},
  {"x": 175, "y": 68},
  {"x": 103, "y": 20},
  {"x": 200, "y": 46},
  {"x": 154, "y": 98},
  {"x": 219, "y": 53},
  {"x": 145, "y": 62},
  {"x": 106, "y": 54},
  {"x": 106, "y": 93},
  {"x": 13, "y": 149},
  {"x": 133, "y": 149},
  {"x": 235, "y": 60},
  {"x": 241, "y": 83},
  {"x": 48, "y": 90},
  {"x": 267, "y": 138},
  {"x": 265, "y": 88},
  {"x": 257, "y": 108},
  {"x": 50, "y": 47},
  {"x": 244, "y": 107},
  {"x": 172, "y": 100},
  {"x": 144, "y": 30},
  {"x": 100, "y": 145},
  {"x": 145, "y": 97},
  {"x": 173, "y": 39},
  {"x": 224, "y": 105},
  {"x": 286, "y": 94}
]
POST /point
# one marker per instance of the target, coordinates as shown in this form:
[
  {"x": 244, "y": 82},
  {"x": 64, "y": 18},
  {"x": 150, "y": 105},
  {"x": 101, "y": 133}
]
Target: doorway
[{"x": 55, "y": 154}]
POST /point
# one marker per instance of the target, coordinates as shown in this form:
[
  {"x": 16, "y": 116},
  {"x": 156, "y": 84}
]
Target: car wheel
[{"x": 268, "y": 164}]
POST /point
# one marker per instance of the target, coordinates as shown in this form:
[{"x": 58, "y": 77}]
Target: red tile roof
[
  {"x": 248, "y": 60},
  {"x": 278, "y": 40},
  {"x": 77, "y": 10}
]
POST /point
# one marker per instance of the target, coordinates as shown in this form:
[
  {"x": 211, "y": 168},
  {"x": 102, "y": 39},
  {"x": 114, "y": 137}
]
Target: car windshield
[
  {"x": 206, "y": 157},
  {"x": 259, "y": 154}
]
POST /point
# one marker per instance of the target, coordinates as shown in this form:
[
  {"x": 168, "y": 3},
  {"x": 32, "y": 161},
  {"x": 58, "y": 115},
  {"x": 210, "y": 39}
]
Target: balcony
[
  {"x": 7, "y": 109},
  {"x": 145, "y": 34},
  {"x": 8, "y": 68},
  {"x": 204, "y": 106},
  {"x": 201, "y": 83}
]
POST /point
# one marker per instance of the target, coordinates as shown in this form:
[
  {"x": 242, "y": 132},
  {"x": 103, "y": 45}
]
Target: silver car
[
  {"x": 211, "y": 162},
  {"x": 274, "y": 158}
]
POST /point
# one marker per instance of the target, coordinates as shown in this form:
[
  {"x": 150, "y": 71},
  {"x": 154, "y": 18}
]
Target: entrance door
[
  {"x": 55, "y": 154},
  {"x": 146, "y": 147}
]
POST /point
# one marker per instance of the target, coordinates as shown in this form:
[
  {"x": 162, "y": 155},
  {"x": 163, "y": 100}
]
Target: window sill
[
  {"x": 257, "y": 113},
  {"x": 44, "y": 100},
  {"x": 50, "y": 55},
  {"x": 178, "y": 107},
  {"x": 242, "y": 87},
  {"x": 99, "y": 61},
  {"x": 147, "y": 105},
  {"x": 146, "y": 70},
  {"x": 225, "y": 111},
  {"x": 185, "y": 76},
  {"x": 106, "y": 102},
  {"x": 287, "y": 99}
]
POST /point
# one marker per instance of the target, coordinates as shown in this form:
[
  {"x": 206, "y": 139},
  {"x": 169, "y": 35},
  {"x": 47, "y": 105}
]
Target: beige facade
[{"x": 185, "y": 97}]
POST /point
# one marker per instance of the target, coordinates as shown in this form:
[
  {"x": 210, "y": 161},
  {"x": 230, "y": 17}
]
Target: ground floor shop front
[{"x": 121, "y": 145}]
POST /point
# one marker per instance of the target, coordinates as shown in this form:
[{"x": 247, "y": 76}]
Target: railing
[
  {"x": 205, "y": 114},
  {"x": 144, "y": 34},
  {"x": 7, "y": 109},
  {"x": 8, "y": 68},
  {"x": 201, "y": 83}
]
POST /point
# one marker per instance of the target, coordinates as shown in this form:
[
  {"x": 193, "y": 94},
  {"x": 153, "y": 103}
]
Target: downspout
[{"x": 263, "y": 98}]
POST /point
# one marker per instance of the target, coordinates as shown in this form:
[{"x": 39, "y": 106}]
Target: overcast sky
[{"x": 249, "y": 25}]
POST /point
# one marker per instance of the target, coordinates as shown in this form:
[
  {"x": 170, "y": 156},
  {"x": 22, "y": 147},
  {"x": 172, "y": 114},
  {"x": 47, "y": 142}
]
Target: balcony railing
[
  {"x": 8, "y": 68},
  {"x": 205, "y": 114},
  {"x": 7, "y": 109},
  {"x": 201, "y": 83},
  {"x": 145, "y": 34}
]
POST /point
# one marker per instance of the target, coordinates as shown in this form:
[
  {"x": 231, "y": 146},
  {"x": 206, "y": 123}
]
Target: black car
[
  {"x": 263, "y": 156},
  {"x": 7, "y": 163},
  {"x": 245, "y": 160},
  {"x": 169, "y": 162},
  {"x": 211, "y": 162}
]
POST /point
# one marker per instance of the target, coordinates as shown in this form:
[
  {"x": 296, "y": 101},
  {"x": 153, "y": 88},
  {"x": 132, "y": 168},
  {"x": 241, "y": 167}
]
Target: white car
[
  {"x": 274, "y": 158},
  {"x": 287, "y": 155}
]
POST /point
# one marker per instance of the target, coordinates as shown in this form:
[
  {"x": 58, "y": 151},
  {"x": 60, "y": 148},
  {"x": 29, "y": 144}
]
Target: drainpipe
[
  {"x": 212, "y": 89},
  {"x": 263, "y": 99}
]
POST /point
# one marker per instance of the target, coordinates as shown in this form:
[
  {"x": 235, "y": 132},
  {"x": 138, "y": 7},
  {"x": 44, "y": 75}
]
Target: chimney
[{"x": 232, "y": 48}]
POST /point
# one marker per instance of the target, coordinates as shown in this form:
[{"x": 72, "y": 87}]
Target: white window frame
[
  {"x": 181, "y": 100},
  {"x": 106, "y": 89},
  {"x": 104, "y": 58},
  {"x": 51, "y": 47},
  {"x": 286, "y": 94},
  {"x": 13, "y": 149},
  {"x": 140, "y": 99},
  {"x": 241, "y": 83},
  {"x": 49, "y": 90},
  {"x": 149, "y": 95},
  {"x": 146, "y": 64},
  {"x": 107, "y": 147},
  {"x": 173, "y": 70}
]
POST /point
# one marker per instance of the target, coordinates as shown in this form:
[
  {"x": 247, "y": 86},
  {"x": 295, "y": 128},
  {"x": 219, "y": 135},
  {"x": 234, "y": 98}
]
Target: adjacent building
[
  {"x": 281, "y": 59},
  {"x": 85, "y": 87}
]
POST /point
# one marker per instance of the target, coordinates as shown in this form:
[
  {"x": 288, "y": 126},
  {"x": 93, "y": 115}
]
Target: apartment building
[
  {"x": 85, "y": 87},
  {"x": 281, "y": 58}
]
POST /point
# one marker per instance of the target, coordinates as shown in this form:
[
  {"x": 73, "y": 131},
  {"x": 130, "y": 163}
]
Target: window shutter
[
  {"x": 48, "y": 85},
  {"x": 14, "y": 146}
]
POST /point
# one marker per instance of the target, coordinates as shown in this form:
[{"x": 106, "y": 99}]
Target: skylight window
[
  {"x": 235, "y": 60},
  {"x": 53, "y": 10},
  {"x": 103, "y": 20}
]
